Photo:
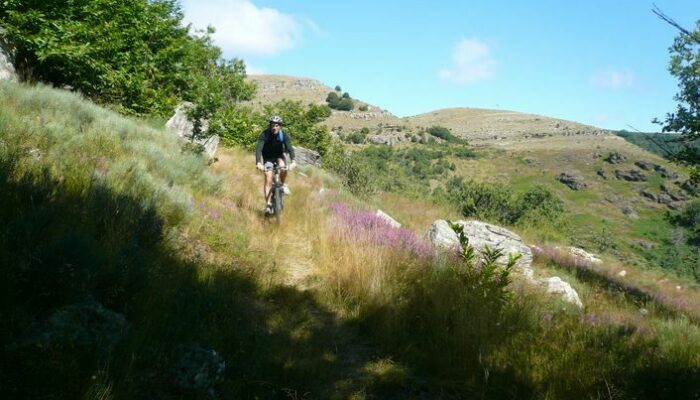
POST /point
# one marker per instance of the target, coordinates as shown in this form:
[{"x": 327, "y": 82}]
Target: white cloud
[
  {"x": 242, "y": 28},
  {"x": 610, "y": 78},
  {"x": 471, "y": 62}
]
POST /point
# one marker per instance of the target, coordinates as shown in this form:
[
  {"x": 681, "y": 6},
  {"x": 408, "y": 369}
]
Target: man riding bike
[{"x": 272, "y": 144}]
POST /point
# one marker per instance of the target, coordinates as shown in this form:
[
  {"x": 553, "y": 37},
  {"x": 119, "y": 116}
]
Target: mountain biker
[{"x": 272, "y": 144}]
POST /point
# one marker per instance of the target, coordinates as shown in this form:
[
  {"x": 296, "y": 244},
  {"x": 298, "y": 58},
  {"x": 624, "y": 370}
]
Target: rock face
[
  {"x": 555, "y": 285},
  {"x": 182, "y": 126},
  {"x": 7, "y": 69},
  {"x": 481, "y": 234},
  {"x": 307, "y": 157},
  {"x": 572, "y": 181},
  {"x": 387, "y": 139}
]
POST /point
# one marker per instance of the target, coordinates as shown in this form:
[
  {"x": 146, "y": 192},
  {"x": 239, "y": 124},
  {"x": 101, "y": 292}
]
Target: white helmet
[{"x": 276, "y": 119}]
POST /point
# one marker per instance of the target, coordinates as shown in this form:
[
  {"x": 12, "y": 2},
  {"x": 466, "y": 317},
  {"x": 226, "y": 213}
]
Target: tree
[{"x": 685, "y": 65}]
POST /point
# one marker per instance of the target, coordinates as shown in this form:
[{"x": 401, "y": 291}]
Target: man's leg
[
  {"x": 283, "y": 170},
  {"x": 268, "y": 187}
]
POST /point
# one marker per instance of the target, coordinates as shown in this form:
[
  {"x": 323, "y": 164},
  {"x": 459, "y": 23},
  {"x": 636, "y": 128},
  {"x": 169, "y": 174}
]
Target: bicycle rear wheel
[{"x": 277, "y": 203}]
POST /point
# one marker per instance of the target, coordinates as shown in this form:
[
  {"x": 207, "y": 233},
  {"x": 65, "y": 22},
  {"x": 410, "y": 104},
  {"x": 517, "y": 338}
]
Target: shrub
[
  {"x": 363, "y": 107},
  {"x": 442, "y": 133},
  {"x": 336, "y": 102}
]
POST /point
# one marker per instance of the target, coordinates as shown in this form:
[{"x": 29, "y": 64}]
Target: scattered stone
[
  {"x": 644, "y": 165},
  {"x": 664, "y": 198},
  {"x": 665, "y": 173},
  {"x": 555, "y": 285},
  {"x": 35, "y": 154},
  {"x": 388, "y": 139},
  {"x": 690, "y": 188},
  {"x": 629, "y": 211},
  {"x": 572, "y": 181},
  {"x": 645, "y": 245},
  {"x": 386, "y": 217},
  {"x": 675, "y": 206},
  {"x": 630, "y": 176},
  {"x": 647, "y": 194},
  {"x": 615, "y": 158},
  {"x": 675, "y": 196},
  {"x": 678, "y": 288},
  {"x": 199, "y": 368},
  {"x": 306, "y": 156},
  {"x": 622, "y": 273},
  {"x": 481, "y": 234},
  {"x": 583, "y": 255},
  {"x": 601, "y": 173},
  {"x": 643, "y": 311}
]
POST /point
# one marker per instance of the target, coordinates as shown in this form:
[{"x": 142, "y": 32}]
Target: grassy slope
[{"x": 299, "y": 310}]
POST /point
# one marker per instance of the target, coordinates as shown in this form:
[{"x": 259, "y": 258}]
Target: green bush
[
  {"x": 443, "y": 133},
  {"x": 336, "y": 102},
  {"x": 302, "y": 123},
  {"x": 135, "y": 54}
]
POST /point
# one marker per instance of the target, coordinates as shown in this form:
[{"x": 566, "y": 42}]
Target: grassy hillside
[{"x": 127, "y": 263}]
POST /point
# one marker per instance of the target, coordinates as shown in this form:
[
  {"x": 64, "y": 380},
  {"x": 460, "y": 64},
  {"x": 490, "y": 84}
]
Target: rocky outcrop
[
  {"x": 183, "y": 127},
  {"x": 306, "y": 156},
  {"x": 574, "y": 182},
  {"x": 7, "y": 69},
  {"x": 665, "y": 173},
  {"x": 481, "y": 234},
  {"x": 387, "y": 139},
  {"x": 630, "y": 176}
]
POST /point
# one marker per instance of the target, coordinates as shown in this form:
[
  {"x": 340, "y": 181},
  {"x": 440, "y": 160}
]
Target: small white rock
[
  {"x": 643, "y": 311},
  {"x": 622, "y": 273},
  {"x": 557, "y": 286}
]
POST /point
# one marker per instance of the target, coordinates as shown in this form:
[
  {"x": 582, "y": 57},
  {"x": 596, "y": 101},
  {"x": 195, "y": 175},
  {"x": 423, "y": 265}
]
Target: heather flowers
[{"x": 364, "y": 225}]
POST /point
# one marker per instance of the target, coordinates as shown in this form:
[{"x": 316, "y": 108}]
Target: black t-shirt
[{"x": 270, "y": 147}]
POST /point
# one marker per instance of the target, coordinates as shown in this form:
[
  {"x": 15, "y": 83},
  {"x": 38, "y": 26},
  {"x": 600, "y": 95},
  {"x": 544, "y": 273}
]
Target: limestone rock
[
  {"x": 481, "y": 234},
  {"x": 182, "y": 126},
  {"x": 630, "y": 176},
  {"x": 615, "y": 158},
  {"x": 665, "y": 173},
  {"x": 307, "y": 157},
  {"x": 555, "y": 285},
  {"x": 583, "y": 255},
  {"x": 7, "y": 69},
  {"x": 574, "y": 182},
  {"x": 386, "y": 217}
]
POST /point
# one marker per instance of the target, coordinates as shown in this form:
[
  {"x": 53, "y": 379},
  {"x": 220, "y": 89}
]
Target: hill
[{"x": 479, "y": 126}]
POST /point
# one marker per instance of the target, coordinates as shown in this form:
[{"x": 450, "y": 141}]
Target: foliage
[
  {"x": 498, "y": 203},
  {"x": 663, "y": 144},
  {"x": 135, "y": 54},
  {"x": 355, "y": 175},
  {"x": 685, "y": 65},
  {"x": 344, "y": 103},
  {"x": 303, "y": 123},
  {"x": 443, "y": 133}
]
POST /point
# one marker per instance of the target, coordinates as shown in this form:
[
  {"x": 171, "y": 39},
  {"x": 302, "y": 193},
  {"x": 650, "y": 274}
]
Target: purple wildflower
[{"x": 367, "y": 226}]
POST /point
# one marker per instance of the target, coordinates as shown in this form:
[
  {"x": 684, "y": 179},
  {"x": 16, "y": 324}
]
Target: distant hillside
[
  {"x": 476, "y": 125},
  {"x": 482, "y": 125}
]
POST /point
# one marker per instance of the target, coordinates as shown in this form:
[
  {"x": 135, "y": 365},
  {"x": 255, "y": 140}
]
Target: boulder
[
  {"x": 583, "y": 255},
  {"x": 647, "y": 194},
  {"x": 199, "y": 368},
  {"x": 629, "y": 211},
  {"x": 601, "y": 173},
  {"x": 182, "y": 126},
  {"x": 574, "y": 182},
  {"x": 389, "y": 220},
  {"x": 307, "y": 157},
  {"x": 481, "y": 234},
  {"x": 555, "y": 285},
  {"x": 7, "y": 69},
  {"x": 615, "y": 158}
]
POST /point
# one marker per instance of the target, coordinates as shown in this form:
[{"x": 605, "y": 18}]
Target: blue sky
[{"x": 597, "y": 62}]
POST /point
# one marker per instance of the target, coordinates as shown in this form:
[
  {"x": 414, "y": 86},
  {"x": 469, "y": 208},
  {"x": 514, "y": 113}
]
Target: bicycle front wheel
[{"x": 277, "y": 203}]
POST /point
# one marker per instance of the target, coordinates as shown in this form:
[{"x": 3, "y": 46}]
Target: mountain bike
[{"x": 277, "y": 193}]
